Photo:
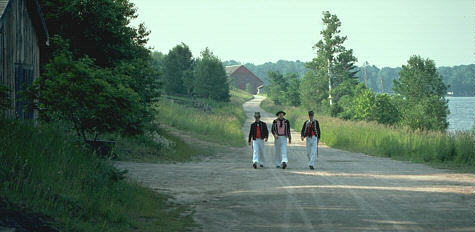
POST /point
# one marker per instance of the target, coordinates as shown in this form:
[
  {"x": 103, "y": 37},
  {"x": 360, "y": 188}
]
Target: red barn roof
[{"x": 242, "y": 78}]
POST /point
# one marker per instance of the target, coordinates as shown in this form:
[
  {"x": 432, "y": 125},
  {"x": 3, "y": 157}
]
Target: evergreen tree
[
  {"x": 177, "y": 68},
  {"x": 292, "y": 95},
  {"x": 210, "y": 78},
  {"x": 277, "y": 87}
]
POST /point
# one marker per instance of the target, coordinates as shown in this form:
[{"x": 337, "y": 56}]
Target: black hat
[
  {"x": 277, "y": 114},
  {"x": 310, "y": 112},
  {"x": 257, "y": 114}
]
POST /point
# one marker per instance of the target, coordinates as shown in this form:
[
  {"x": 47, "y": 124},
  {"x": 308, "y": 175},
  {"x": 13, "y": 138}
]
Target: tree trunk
[{"x": 329, "y": 84}]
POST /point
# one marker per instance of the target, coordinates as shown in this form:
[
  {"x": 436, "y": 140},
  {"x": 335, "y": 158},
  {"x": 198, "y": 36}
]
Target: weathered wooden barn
[
  {"x": 23, "y": 41},
  {"x": 244, "y": 79}
]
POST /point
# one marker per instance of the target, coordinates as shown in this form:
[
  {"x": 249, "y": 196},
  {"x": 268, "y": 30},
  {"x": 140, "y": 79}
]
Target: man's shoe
[
  {"x": 277, "y": 166},
  {"x": 311, "y": 167},
  {"x": 262, "y": 165},
  {"x": 284, "y": 165},
  {"x": 254, "y": 165}
]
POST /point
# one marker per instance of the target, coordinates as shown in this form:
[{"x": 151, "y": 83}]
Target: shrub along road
[{"x": 347, "y": 191}]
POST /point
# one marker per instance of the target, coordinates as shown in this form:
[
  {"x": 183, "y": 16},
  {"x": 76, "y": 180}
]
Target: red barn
[{"x": 244, "y": 79}]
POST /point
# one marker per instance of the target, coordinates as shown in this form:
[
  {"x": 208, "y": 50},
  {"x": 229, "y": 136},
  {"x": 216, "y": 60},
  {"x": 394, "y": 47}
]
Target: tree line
[
  {"x": 203, "y": 77},
  {"x": 331, "y": 85},
  {"x": 459, "y": 79}
]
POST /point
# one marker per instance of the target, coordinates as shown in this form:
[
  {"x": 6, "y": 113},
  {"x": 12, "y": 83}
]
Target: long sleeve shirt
[
  {"x": 310, "y": 128},
  {"x": 281, "y": 128},
  {"x": 264, "y": 133}
]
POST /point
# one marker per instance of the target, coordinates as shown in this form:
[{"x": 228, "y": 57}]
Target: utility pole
[
  {"x": 381, "y": 82},
  {"x": 329, "y": 82},
  {"x": 365, "y": 76}
]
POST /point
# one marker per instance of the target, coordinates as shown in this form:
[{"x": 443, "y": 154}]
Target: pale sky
[{"x": 382, "y": 32}]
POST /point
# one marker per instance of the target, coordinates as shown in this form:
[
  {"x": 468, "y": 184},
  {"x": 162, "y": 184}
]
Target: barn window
[{"x": 23, "y": 78}]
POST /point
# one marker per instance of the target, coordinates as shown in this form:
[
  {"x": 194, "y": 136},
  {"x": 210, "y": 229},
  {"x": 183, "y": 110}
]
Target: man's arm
[
  {"x": 273, "y": 129},
  {"x": 266, "y": 132},
  {"x": 250, "y": 134},
  {"x": 302, "y": 132}
]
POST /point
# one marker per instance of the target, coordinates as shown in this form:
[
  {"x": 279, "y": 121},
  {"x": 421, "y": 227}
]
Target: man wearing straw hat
[
  {"x": 259, "y": 134},
  {"x": 281, "y": 131},
  {"x": 311, "y": 131}
]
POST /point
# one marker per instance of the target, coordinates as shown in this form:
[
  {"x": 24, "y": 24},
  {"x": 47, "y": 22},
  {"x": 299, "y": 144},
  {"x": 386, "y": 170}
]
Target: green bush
[
  {"x": 5, "y": 101},
  {"x": 385, "y": 110},
  {"x": 46, "y": 171},
  {"x": 95, "y": 100},
  {"x": 424, "y": 106}
]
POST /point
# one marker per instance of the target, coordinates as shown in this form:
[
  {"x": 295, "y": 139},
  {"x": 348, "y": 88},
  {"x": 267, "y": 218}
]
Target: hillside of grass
[
  {"x": 214, "y": 121},
  {"x": 47, "y": 172},
  {"x": 439, "y": 149}
]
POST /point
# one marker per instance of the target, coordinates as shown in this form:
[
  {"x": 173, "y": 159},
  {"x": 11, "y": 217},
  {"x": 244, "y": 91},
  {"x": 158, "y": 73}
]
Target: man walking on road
[
  {"x": 311, "y": 131},
  {"x": 259, "y": 134},
  {"x": 281, "y": 131}
]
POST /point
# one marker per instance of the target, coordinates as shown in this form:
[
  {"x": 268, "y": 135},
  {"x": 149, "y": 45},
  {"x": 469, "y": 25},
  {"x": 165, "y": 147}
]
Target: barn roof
[
  {"x": 3, "y": 5},
  {"x": 36, "y": 15},
  {"x": 233, "y": 68}
]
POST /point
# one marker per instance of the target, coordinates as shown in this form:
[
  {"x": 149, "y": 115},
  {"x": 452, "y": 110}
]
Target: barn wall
[
  {"x": 20, "y": 47},
  {"x": 242, "y": 76}
]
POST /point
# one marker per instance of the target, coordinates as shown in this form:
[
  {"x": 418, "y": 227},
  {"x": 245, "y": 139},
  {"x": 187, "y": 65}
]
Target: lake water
[{"x": 462, "y": 113}]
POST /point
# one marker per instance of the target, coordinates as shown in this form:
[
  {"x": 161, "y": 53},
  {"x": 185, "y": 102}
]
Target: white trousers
[
  {"x": 258, "y": 151},
  {"x": 281, "y": 150},
  {"x": 312, "y": 143}
]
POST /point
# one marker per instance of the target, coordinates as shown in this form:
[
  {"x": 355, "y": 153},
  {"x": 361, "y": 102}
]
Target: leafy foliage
[
  {"x": 210, "y": 78},
  {"x": 5, "y": 101},
  {"x": 365, "y": 105},
  {"x": 178, "y": 65},
  {"x": 284, "y": 89},
  {"x": 100, "y": 29},
  {"x": 386, "y": 110},
  {"x": 95, "y": 100},
  {"x": 144, "y": 78},
  {"x": 332, "y": 57},
  {"x": 424, "y": 105}
]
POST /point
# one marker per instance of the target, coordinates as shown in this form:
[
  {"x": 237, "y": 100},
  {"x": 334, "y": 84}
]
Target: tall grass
[
  {"x": 221, "y": 124},
  {"x": 150, "y": 148},
  {"x": 438, "y": 148},
  {"x": 46, "y": 171}
]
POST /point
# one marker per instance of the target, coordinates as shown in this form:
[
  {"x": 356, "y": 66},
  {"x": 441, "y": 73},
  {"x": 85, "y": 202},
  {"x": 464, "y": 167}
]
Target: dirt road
[{"x": 347, "y": 191}]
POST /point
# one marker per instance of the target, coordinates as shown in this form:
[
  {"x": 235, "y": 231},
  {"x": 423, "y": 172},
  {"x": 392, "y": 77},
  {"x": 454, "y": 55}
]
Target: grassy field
[
  {"x": 447, "y": 150},
  {"x": 219, "y": 122},
  {"x": 148, "y": 148},
  {"x": 46, "y": 171}
]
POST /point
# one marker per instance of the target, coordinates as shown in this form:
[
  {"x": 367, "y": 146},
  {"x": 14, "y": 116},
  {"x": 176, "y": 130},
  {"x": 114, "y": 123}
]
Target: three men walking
[{"x": 258, "y": 134}]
